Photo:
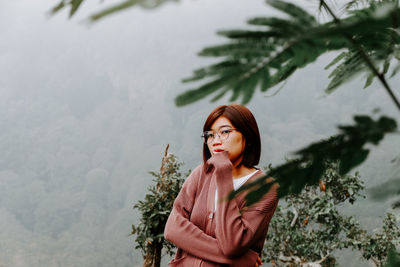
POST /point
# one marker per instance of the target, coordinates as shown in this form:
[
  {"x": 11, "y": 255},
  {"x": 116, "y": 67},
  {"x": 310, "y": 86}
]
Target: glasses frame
[{"x": 205, "y": 141}]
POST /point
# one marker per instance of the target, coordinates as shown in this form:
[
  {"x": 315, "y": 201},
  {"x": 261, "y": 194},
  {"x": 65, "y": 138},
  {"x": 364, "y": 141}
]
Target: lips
[{"x": 218, "y": 150}]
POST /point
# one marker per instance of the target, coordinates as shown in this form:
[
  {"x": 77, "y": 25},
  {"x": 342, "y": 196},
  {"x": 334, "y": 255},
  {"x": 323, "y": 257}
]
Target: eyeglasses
[{"x": 223, "y": 134}]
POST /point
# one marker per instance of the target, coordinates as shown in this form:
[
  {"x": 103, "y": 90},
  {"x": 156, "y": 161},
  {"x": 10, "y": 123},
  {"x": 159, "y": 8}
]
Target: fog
[{"x": 87, "y": 110}]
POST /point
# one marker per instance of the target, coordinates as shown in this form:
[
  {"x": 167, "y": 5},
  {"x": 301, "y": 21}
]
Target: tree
[
  {"x": 155, "y": 209},
  {"x": 308, "y": 227}
]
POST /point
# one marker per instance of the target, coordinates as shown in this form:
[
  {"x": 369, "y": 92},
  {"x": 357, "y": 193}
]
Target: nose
[{"x": 216, "y": 142}]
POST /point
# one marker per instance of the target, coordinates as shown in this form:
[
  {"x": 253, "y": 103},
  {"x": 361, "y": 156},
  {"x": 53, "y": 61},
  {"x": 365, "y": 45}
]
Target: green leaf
[
  {"x": 393, "y": 259},
  {"x": 336, "y": 59},
  {"x": 386, "y": 65},
  {"x": 222, "y": 68},
  {"x": 342, "y": 73},
  {"x": 205, "y": 90},
  {"x": 296, "y": 12},
  {"x": 248, "y": 87},
  {"x": 246, "y": 34},
  {"x": 265, "y": 79},
  {"x": 75, "y": 4},
  {"x": 113, "y": 9},
  {"x": 58, "y": 7},
  {"x": 220, "y": 94},
  {"x": 283, "y": 73},
  {"x": 369, "y": 80},
  {"x": 286, "y": 26},
  {"x": 395, "y": 70},
  {"x": 240, "y": 49}
]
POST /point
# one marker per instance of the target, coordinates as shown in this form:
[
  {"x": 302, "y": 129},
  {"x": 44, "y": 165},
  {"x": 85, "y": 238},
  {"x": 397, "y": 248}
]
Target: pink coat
[{"x": 230, "y": 236}]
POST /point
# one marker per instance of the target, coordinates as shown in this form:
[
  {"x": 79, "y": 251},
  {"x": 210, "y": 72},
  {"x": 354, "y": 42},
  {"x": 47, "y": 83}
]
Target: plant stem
[{"x": 366, "y": 58}]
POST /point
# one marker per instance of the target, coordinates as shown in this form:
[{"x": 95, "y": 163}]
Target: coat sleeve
[
  {"x": 238, "y": 229},
  {"x": 187, "y": 236}
]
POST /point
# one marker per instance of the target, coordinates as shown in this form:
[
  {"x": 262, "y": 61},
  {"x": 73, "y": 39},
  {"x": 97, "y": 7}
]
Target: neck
[{"x": 240, "y": 171}]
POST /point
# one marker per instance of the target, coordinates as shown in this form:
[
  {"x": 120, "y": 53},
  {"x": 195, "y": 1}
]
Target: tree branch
[
  {"x": 297, "y": 261},
  {"x": 365, "y": 57},
  {"x": 375, "y": 261},
  {"x": 296, "y": 215}
]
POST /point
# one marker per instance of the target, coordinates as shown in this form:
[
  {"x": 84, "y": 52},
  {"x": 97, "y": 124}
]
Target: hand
[
  {"x": 258, "y": 262},
  {"x": 219, "y": 160}
]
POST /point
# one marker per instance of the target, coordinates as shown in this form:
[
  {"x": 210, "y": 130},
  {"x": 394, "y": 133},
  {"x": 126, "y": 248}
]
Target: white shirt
[{"x": 237, "y": 183}]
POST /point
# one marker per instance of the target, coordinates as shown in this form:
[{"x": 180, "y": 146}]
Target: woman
[{"x": 208, "y": 229}]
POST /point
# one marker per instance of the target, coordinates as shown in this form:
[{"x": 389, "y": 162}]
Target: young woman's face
[{"x": 234, "y": 144}]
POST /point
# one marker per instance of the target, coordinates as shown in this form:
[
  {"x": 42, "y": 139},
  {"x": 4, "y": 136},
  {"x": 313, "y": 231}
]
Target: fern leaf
[
  {"x": 125, "y": 5},
  {"x": 248, "y": 87},
  {"x": 282, "y": 74},
  {"x": 75, "y": 4},
  {"x": 296, "y": 12},
  {"x": 205, "y": 90},
  {"x": 222, "y": 92},
  {"x": 369, "y": 80},
  {"x": 289, "y": 27},
  {"x": 265, "y": 79},
  {"x": 235, "y": 92},
  {"x": 347, "y": 57},
  {"x": 235, "y": 34},
  {"x": 336, "y": 60},
  {"x": 224, "y": 67},
  {"x": 58, "y": 7},
  {"x": 240, "y": 50},
  {"x": 293, "y": 43},
  {"x": 113, "y": 9},
  {"x": 386, "y": 65},
  {"x": 345, "y": 71},
  {"x": 395, "y": 70},
  {"x": 356, "y": 4},
  {"x": 245, "y": 86}
]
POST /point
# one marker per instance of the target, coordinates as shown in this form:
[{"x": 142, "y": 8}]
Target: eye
[
  {"x": 226, "y": 131},
  {"x": 209, "y": 135}
]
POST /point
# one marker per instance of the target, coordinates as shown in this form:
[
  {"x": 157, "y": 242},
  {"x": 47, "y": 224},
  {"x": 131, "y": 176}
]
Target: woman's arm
[
  {"x": 236, "y": 230},
  {"x": 187, "y": 236}
]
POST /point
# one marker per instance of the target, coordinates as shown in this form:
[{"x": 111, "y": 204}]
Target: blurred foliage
[
  {"x": 308, "y": 166},
  {"x": 393, "y": 259},
  {"x": 388, "y": 189},
  {"x": 74, "y": 5},
  {"x": 277, "y": 47},
  {"x": 376, "y": 247},
  {"x": 308, "y": 227},
  {"x": 155, "y": 210}
]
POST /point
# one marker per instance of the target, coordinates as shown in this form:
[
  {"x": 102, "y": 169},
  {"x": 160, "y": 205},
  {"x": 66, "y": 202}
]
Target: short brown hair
[{"x": 243, "y": 120}]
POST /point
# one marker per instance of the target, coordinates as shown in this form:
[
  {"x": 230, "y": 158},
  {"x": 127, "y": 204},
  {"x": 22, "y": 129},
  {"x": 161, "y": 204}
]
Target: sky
[{"x": 86, "y": 111}]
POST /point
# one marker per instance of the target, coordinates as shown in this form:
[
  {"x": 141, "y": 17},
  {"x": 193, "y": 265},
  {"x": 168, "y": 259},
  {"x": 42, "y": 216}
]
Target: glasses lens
[
  {"x": 208, "y": 137},
  {"x": 224, "y": 133}
]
